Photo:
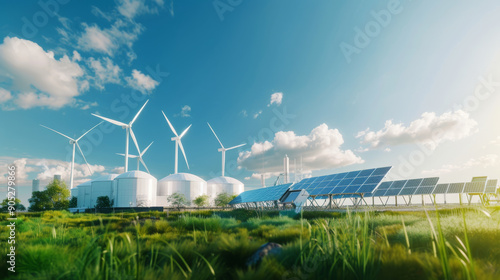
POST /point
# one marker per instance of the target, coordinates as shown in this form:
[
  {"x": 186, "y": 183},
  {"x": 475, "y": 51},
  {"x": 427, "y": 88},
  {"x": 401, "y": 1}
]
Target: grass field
[{"x": 449, "y": 244}]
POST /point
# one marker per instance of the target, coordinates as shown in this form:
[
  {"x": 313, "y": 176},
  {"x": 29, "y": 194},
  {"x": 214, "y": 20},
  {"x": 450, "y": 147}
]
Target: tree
[
  {"x": 73, "y": 203},
  {"x": 223, "y": 199},
  {"x": 59, "y": 194},
  {"x": 55, "y": 197},
  {"x": 104, "y": 202},
  {"x": 177, "y": 199},
  {"x": 17, "y": 205},
  {"x": 201, "y": 200}
]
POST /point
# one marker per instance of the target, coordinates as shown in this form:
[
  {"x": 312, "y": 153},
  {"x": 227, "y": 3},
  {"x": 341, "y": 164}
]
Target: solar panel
[
  {"x": 406, "y": 187},
  {"x": 491, "y": 186},
  {"x": 395, "y": 188},
  {"x": 427, "y": 186},
  {"x": 441, "y": 189},
  {"x": 456, "y": 188},
  {"x": 262, "y": 194},
  {"x": 354, "y": 182},
  {"x": 479, "y": 179},
  {"x": 475, "y": 187}
]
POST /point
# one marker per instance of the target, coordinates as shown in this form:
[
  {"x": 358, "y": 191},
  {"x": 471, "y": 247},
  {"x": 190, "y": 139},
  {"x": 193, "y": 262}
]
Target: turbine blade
[
  {"x": 91, "y": 173},
  {"x": 135, "y": 141},
  {"x": 111, "y": 121},
  {"x": 184, "y": 153},
  {"x": 143, "y": 152},
  {"x": 138, "y": 113},
  {"x": 235, "y": 147},
  {"x": 169, "y": 124},
  {"x": 144, "y": 164},
  {"x": 129, "y": 155},
  {"x": 88, "y": 131},
  {"x": 58, "y": 132},
  {"x": 215, "y": 135},
  {"x": 184, "y": 132}
]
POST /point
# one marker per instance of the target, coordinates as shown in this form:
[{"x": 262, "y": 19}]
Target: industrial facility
[{"x": 354, "y": 189}]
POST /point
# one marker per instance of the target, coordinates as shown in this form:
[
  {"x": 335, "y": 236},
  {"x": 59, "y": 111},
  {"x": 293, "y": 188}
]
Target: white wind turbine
[
  {"x": 223, "y": 150},
  {"x": 74, "y": 142},
  {"x": 139, "y": 157},
  {"x": 128, "y": 128},
  {"x": 178, "y": 143}
]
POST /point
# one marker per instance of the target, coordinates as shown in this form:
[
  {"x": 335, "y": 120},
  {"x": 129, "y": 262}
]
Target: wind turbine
[
  {"x": 178, "y": 143},
  {"x": 128, "y": 128},
  {"x": 223, "y": 150},
  {"x": 139, "y": 157},
  {"x": 74, "y": 142}
]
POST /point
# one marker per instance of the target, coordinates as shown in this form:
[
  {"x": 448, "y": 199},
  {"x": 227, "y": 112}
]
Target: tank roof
[
  {"x": 136, "y": 174},
  {"x": 224, "y": 180},
  {"x": 85, "y": 184},
  {"x": 109, "y": 177},
  {"x": 183, "y": 177}
]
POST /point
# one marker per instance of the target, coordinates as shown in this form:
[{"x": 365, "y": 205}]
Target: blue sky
[{"x": 355, "y": 85}]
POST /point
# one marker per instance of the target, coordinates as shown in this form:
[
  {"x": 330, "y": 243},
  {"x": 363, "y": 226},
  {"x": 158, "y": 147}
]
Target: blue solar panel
[
  {"x": 262, "y": 194},
  {"x": 406, "y": 187},
  {"x": 354, "y": 182}
]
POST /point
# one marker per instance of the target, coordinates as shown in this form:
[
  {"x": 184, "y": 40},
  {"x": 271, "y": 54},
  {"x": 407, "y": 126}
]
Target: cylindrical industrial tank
[
  {"x": 102, "y": 186},
  {"x": 134, "y": 189},
  {"x": 83, "y": 199},
  {"x": 74, "y": 192},
  {"x": 191, "y": 186},
  {"x": 224, "y": 184}
]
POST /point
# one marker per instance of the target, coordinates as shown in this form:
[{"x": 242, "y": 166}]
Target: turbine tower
[
  {"x": 139, "y": 157},
  {"x": 178, "y": 143},
  {"x": 74, "y": 142},
  {"x": 128, "y": 128},
  {"x": 223, "y": 150}
]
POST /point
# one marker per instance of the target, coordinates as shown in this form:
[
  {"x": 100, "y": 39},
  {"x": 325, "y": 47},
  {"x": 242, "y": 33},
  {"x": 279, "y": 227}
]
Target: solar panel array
[
  {"x": 406, "y": 187},
  {"x": 355, "y": 182},
  {"x": 491, "y": 186},
  {"x": 262, "y": 194}
]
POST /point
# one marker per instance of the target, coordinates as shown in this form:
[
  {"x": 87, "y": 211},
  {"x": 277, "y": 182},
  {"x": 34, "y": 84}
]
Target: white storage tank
[
  {"x": 134, "y": 189},
  {"x": 224, "y": 184},
  {"x": 191, "y": 186},
  {"x": 102, "y": 186},
  {"x": 83, "y": 198},
  {"x": 74, "y": 192}
]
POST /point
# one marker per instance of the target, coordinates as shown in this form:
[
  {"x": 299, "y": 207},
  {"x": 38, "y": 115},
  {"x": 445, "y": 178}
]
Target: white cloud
[
  {"x": 321, "y": 149},
  {"x": 4, "y": 95},
  {"x": 38, "y": 78},
  {"x": 483, "y": 161},
  {"x": 96, "y": 39},
  {"x": 244, "y": 113},
  {"x": 185, "y": 111},
  {"x": 276, "y": 98},
  {"x": 430, "y": 130},
  {"x": 45, "y": 169},
  {"x": 256, "y": 115},
  {"x": 132, "y": 8},
  {"x": 141, "y": 82},
  {"x": 76, "y": 56},
  {"x": 105, "y": 72}
]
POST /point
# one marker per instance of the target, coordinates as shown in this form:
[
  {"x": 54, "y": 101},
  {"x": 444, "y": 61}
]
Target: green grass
[{"x": 452, "y": 244}]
